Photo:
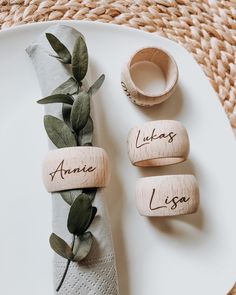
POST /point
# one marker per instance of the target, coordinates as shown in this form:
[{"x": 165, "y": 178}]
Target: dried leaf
[
  {"x": 59, "y": 133},
  {"x": 80, "y": 59},
  {"x": 56, "y": 98},
  {"x": 97, "y": 84},
  {"x": 81, "y": 212},
  {"x": 90, "y": 192},
  {"x": 86, "y": 134},
  {"x": 66, "y": 111},
  {"x": 80, "y": 111},
  {"x": 94, "y": 212},
  {"x": 63, "y": 53},
  {"x": 82, "y": 246},
  {"x": 70, "y": 86},
  {"x": 61, "y": 247},
  {"x": 70, "y": 196}
]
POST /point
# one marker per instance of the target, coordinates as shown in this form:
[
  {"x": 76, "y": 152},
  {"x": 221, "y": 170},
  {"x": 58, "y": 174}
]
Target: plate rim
[{"x": 44, "y": 25}]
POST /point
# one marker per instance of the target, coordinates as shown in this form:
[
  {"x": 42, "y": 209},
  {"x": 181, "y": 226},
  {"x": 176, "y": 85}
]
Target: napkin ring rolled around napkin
[
  {"x": 75, "y": 167},
  {"x": 158, "y": 143},
  {"x": 157, "y": 57},
  {"x": 167, "y": 195}
]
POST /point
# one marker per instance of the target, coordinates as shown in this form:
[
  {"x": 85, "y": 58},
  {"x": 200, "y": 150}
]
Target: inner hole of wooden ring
[
  {"x": 159, "y": 161},
  {"x": 153, "y": 71}
]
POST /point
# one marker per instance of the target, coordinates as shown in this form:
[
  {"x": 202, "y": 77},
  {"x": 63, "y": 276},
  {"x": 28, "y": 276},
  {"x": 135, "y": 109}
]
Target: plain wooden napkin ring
[
  {"x": 167, "y": 195},
  {"x": 74, "y": 168},
  {"x": 163, "y": 60},
  {"x": 158, "y": 143}
]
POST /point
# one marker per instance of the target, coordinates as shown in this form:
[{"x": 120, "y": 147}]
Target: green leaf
[
  {"x": 80, "y": 111},
  {"x": 97, "y": 84},
  {"x": 56, "y": 98},
  {"x": 82, "y": 246},
  {"x": 94, "y": 212},
  {"x": 70, "y": 196},
  {"x": 80, "y": 59},
  {"x": 66, "y": 111},
  {"x": 70, "y": 86},
  {"x": 59, "y": 133},
  {"x": 61, "y": 247},
  {"x": 81, "y": 212},
  {"x": 90, "y": 192},
  {"x": 63, "y": 53},
  {"x": 86, "y": 134}
]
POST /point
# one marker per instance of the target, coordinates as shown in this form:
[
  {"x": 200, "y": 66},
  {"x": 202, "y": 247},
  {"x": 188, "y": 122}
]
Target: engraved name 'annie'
[
  {"x": 62, "y": 172},
  {"x": 172, "y": 202},
  {"x": 141, "y": 141}
]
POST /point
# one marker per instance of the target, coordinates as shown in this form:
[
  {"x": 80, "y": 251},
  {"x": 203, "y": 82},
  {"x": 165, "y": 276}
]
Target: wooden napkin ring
[
  {"x": 165, "y": 62},
  {"x": 74, "y": 168},
  {"x": 158, "y": 143},
  {"x": 167, "y": 195}
]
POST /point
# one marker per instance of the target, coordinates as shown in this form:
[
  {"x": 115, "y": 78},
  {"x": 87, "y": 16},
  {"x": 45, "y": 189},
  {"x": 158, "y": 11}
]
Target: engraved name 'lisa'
[
  {"x": 62, "y": 172},
  {"x": 173, "y": 202},
  {"x": 141, "y": 141}
]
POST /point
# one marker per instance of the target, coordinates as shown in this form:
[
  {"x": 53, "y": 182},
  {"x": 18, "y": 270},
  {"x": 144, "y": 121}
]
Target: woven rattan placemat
[{"x": 206, "y": 28}]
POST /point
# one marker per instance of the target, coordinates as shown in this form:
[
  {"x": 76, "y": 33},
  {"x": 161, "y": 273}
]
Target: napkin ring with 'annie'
[{"x": 76, "y": 167}]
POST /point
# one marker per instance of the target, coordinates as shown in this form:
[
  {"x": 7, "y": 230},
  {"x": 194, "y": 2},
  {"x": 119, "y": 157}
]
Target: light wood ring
[
  {"x": 167, "y": 195},
  {"x": 158, "y": 143},
  {"x": 75, "y": 167},
  {"x": 168, "y": 66}
]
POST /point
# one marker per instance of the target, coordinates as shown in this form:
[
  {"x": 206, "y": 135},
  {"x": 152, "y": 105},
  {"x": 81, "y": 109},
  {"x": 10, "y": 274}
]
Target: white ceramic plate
[{"x": 193, "y": 254}]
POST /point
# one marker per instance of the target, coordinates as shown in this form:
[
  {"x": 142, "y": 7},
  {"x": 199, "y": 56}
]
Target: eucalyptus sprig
[{"x": 76, "y": 129}]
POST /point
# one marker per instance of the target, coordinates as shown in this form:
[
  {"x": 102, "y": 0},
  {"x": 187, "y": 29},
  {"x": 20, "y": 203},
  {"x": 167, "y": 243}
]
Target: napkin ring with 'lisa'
[
  {"x": 158, "y": 143},
  {"x": 159, "y": 58},
  {"x": 167, "y": 195},
  {"x": 75, "y": 167}
]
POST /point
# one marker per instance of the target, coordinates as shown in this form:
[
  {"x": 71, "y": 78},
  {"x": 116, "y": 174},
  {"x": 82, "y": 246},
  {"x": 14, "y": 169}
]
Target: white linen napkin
[{"x": 96, "y": 275}]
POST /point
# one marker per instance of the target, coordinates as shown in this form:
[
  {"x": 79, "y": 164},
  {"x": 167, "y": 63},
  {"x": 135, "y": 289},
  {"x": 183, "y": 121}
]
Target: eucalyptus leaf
[
  {"x": 56, "y": 98},
  {"x": 81, "y": 212},
  {"x": 94, "y": 212},
  {"x": 63, "y": 53},
  {"x": 96, "y": 85},
  {"x": 80, "y": 111},
  {"x": 59, "y": 133},
  {"x": 60, "y": 247},
  {"x": 70, "y": 86},
  {"x": 82, "y": 246},
  {"x": 80, "y": 59},
  {"x": 86, "y": 134},
  {"x": 70, "y": 196},
  {"x": 90, "y": 192},
  {"x": 66, "y": 111}
]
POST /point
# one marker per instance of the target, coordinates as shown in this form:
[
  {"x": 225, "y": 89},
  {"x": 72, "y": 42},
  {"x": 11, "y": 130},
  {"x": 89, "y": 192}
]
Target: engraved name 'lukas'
[
  {"x": 62, "y": 172},
  {"x": 173, "y": 202},
  {"x": 152, "y": 137}
]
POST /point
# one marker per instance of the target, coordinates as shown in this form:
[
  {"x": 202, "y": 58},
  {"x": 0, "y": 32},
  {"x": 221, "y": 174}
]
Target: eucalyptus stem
[
  {"x": 64, "y": 275},
  {"x": 66, "y": 269},
  {"x": 76, "y": 129}
]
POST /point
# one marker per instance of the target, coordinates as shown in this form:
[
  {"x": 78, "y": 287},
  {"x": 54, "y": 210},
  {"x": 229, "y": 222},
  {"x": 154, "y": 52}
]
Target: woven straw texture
[{"x": 206, "y": 28}]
